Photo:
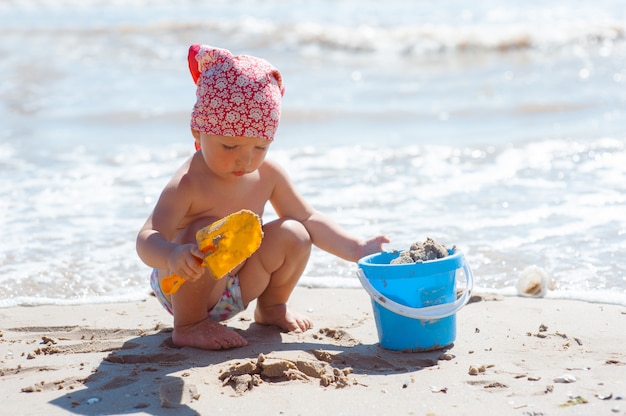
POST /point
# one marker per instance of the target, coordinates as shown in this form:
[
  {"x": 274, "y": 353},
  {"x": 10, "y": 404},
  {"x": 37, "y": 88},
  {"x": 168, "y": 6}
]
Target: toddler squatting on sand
[{"x": 234, "y": 120}]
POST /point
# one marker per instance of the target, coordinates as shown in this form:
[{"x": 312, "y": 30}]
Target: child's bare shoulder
[
  {"x": 272, "y": 167},
  {"x": 275, "y": 175},
  {"x": 186, "y": 178}
]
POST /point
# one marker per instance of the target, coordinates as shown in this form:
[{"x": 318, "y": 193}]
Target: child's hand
[
  {"x": 186, "y": 261},
  {"x": 373, "y": 245}
]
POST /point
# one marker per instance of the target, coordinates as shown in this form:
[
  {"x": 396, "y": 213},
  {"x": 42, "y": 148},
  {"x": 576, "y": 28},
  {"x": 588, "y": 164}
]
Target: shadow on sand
[{"x": 149, "y": 375}]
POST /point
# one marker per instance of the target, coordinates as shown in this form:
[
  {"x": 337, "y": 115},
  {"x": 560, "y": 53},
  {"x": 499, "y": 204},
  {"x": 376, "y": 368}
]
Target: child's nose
[{"x": 244, "y": 159}]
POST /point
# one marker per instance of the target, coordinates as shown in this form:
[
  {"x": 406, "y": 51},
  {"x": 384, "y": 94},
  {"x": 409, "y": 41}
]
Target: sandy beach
[{"x": 512, "y": 355}]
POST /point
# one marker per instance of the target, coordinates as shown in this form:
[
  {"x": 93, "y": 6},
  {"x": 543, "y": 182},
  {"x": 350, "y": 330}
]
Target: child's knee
[{"x": 297, "y": 235}]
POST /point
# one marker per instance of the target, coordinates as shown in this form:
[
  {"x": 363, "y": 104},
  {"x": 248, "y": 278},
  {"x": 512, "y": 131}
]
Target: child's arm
[
  {"x": 325, "y": 233},
  {"x": 329, "y": 236},
  {"x": 154, "y": 241}
]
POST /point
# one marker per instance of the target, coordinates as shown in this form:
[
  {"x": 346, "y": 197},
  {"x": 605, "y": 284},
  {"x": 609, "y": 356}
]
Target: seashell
[
  {"x": 533, "y": 281},
  {"x": 565, "y": 378},
  {"x": 435, "y": 389}
]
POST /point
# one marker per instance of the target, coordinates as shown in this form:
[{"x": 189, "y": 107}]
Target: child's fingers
[
  {"x": 197, "y": 253},
  {"x": 194, "y": 268},
  {"x": 186, "y": 263}
]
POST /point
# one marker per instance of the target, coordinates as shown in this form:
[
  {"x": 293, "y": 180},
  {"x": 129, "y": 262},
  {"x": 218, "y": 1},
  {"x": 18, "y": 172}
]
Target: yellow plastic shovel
[{"x": 226, "y": 243}]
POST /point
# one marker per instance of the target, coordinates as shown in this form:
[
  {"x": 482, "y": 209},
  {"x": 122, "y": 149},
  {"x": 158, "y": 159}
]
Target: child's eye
[
  {"x": 263, "y": 148},
  {"x": 229, "y": 147}
]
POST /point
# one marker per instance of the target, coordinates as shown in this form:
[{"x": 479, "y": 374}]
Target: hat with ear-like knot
[{"x": 236, "y": 95}]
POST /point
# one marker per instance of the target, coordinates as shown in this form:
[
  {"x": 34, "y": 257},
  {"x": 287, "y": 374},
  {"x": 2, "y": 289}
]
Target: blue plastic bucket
[{"x": 415, "y": 304}]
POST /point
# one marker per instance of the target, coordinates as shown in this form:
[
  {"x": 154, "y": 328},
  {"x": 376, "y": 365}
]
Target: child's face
[{"x": 232, "y": 156}]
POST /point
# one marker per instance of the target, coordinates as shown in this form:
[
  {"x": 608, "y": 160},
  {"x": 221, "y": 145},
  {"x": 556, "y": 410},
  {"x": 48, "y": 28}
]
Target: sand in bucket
[{"x": 415, "y": 303}]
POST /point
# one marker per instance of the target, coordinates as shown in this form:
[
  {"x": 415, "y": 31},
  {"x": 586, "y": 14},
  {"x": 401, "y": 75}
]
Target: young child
[{"x": 233, "y": 122}]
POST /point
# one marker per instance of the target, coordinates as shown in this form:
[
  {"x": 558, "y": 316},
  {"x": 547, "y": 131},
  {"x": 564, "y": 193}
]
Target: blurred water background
[{"x": 495, "y": 126}]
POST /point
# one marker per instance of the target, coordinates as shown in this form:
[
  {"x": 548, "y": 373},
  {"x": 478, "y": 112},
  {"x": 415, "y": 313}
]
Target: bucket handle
[{"x": 428, "y": 312}]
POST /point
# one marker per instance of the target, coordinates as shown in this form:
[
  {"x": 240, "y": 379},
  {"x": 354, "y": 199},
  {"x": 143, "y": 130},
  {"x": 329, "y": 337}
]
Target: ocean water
[{"x": 496, "y": 127}]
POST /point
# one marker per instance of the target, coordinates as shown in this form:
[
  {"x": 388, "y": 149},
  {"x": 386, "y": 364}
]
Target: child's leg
[
  {"x": 191, "y": 303},
  {"x": 272, "y": 273}
]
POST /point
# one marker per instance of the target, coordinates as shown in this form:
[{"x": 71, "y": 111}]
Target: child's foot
[
  {"x": 207, "y": 335},
  {"x": 282, "y": 317}
]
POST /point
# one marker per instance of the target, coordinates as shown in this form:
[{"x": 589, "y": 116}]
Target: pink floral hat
[{"x": 236, "y": 95}]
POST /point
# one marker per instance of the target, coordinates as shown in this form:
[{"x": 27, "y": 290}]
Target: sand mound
[
  {"x": 420, "y": 252},
  {"x": 244, "y": 376}
]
